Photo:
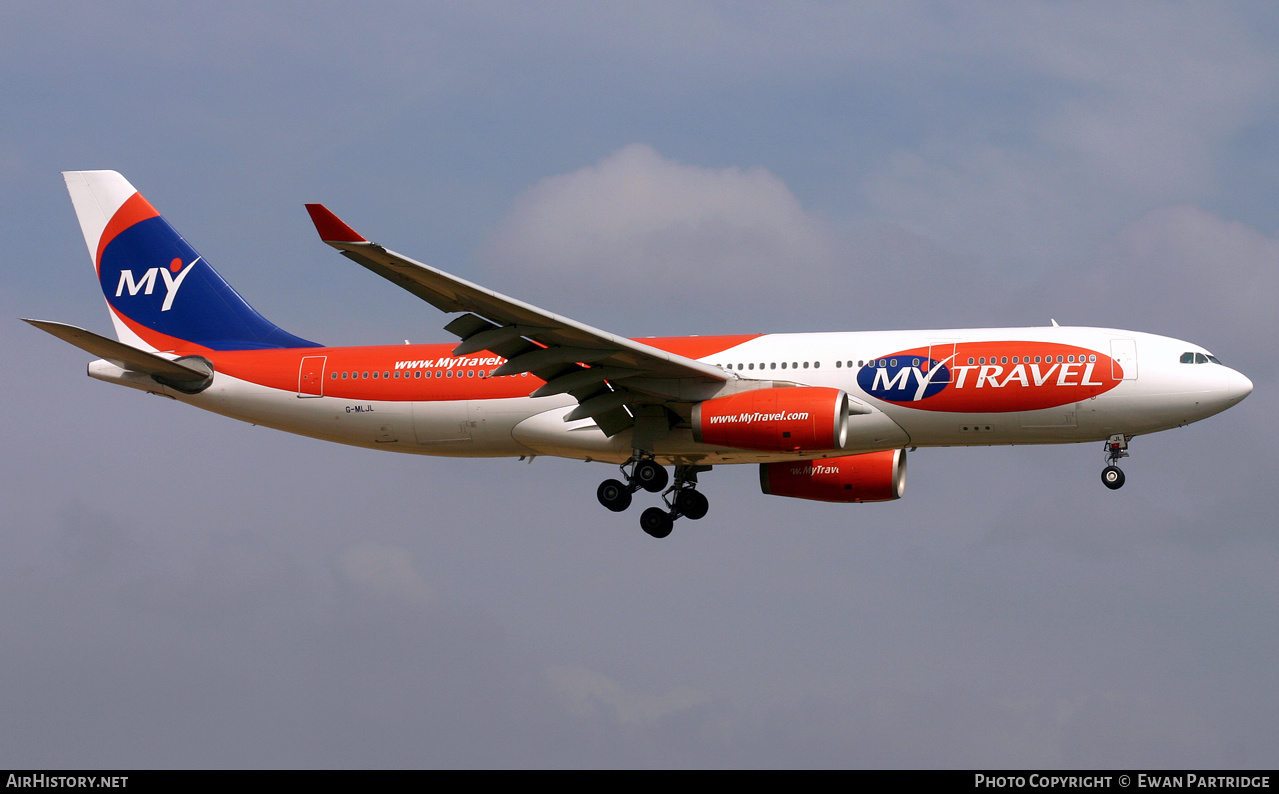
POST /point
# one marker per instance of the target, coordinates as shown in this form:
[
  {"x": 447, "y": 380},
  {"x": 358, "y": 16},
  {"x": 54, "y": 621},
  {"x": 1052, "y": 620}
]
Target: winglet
[{"x": 331, "y": 227}]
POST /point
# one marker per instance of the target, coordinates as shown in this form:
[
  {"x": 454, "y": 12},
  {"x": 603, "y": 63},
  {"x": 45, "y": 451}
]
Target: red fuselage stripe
[{"x": 391, "y": 372}]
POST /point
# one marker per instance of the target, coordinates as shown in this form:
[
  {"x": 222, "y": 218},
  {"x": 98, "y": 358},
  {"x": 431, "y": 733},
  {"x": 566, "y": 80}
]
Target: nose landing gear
[{"x": 1116, "y": 447}]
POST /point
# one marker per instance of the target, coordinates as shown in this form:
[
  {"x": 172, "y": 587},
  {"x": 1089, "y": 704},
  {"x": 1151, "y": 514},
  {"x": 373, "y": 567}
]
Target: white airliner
[{"x": 825, "y": 416}]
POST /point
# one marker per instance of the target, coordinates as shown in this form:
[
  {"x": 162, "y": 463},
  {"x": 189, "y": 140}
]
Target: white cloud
[
  {"x": 994, "y": 204},
  {"x": 1107, "y": 115},
  {"x": 1178, "y": 270},
  {"x": 636, "y": 216},
  {"x": 670, "y": 247},
  {"x": 385, "y": 571},
  {"x": 1153, "y": 96},
  {"x": 638, "y": 225},
  {"x": 1211, "y": 277},
  {"x": 589, "y": 692}
]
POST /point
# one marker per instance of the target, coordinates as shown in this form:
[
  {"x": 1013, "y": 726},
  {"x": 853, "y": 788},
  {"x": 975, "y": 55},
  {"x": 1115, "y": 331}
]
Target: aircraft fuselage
[{"x": 421, "y": 399}]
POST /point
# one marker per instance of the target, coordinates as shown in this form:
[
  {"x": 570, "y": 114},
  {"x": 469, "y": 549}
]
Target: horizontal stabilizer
[{"x": 123, "y": 355}]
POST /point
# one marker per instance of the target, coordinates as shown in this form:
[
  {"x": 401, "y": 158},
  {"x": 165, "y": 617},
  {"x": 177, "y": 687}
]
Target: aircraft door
[
  {"x": 943, "y": 352},
  {"x": 1123, "y": 353},
  {"x": 311, "y": 376}
]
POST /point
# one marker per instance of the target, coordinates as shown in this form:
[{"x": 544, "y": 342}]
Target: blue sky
[{"x": 178, "y": 589}]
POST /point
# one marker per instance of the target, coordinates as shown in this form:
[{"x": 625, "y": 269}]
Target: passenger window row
[
  {"x": 773, "y": 365},
  {"x": 972, "y": 361},
  {"x": 1037, "y": 359},
  {"x": 470, "y": 373}
]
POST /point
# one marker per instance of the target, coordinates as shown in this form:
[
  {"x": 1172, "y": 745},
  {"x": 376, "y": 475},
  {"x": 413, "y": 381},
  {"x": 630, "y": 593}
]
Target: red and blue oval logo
[{"x": 989, "y": 377}]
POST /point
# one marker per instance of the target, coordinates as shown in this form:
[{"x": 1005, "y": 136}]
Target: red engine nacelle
[
  {"x": 869, "y": 477},
  {"x": 783, "y": 419}
]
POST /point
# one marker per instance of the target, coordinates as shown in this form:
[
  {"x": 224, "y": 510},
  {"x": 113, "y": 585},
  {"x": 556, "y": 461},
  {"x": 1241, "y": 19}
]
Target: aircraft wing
[{"x": 605, "y": 373}]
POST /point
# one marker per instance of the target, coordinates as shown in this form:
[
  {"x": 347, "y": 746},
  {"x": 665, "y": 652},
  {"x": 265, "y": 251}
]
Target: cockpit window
[{"x": 1198, "y": 358}]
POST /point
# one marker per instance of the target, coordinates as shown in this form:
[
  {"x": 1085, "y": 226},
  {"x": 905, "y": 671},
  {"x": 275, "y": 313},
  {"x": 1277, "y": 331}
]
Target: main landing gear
[
  {"x": 1116, "y": 447},
  {"x": 645, "y": 473},
  {"x": 682, "y": 498}
]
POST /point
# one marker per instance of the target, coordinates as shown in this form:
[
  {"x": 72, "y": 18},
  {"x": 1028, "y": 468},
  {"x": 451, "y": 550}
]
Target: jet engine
[
  {"x": 869, "y": 477},
  {"x": 782, "y": 419}
]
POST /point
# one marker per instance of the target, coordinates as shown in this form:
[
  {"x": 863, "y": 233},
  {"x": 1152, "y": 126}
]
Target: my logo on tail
[{"x": 146, "y": 284}]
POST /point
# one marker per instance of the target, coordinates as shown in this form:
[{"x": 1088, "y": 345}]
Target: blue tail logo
[
  {"x": 166, "y": 292},
  {"x": 171, "y": 282}
]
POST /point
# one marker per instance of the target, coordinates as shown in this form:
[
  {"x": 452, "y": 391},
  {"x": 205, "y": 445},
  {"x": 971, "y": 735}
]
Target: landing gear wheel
[
  {"x": 1116, "y": 450},
  {"x": 650, "y": 476},
  {"x": 614, "y": 495},
  {"x": 1113, "y": 477},
  {"x": 657, "y": 522},
  {"x": 692, "y": 504}
]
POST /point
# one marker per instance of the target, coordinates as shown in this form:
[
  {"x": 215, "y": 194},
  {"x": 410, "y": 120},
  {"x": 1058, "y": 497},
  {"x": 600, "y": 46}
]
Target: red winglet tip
[{"x": 331, "y": 227}]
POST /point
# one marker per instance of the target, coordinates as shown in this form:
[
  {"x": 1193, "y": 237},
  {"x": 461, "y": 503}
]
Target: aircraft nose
[{"x": 1239, "y": 386}]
